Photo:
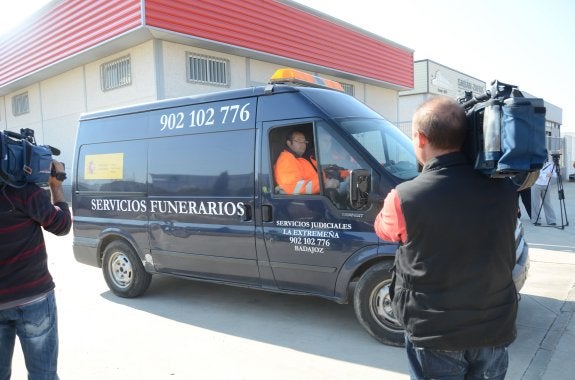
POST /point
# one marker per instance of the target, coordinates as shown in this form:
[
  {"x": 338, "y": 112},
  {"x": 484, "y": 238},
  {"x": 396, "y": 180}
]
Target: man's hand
[
  {"x": 58, "y": 171},
  {"x": 56, "y": 184}
]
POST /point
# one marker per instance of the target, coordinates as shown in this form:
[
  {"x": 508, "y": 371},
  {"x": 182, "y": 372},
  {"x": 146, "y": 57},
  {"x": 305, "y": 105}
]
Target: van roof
[{"x": 195, "y": 99}]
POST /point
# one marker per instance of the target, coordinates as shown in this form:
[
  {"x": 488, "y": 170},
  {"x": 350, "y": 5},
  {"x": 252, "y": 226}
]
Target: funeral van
[{"x": 185, "y": 187}]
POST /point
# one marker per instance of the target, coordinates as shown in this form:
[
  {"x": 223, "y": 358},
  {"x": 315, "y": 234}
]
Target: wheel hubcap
[
  {"x": 381, "y": 306},
  {"x": 120, "y": 270}
]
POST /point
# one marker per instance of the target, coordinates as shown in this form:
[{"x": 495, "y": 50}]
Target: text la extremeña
[{"x": 170, "y": 207}]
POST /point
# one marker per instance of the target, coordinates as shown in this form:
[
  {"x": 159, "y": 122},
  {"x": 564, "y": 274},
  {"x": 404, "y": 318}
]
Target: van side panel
[
  {"x": 201, "y": 190},
  {"x": 201, "y": 205},
  {"x": 176, "y": 180},
  {"x": 285, "y": 106}
]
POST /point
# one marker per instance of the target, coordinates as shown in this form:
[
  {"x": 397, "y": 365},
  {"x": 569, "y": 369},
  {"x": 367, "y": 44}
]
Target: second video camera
[
  {"x": 22, "y": 160},
  {"x": 505, "y": 131}
]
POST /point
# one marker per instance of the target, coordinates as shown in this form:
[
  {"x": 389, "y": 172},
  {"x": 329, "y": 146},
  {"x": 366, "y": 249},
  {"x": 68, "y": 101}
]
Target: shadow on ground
[{"x": 307, "y": 324}]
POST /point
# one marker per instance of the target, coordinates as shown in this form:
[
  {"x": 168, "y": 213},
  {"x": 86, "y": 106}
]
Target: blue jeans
[
  {"x": 36, "y": 325},
  {"x": 478, "y": 363}
]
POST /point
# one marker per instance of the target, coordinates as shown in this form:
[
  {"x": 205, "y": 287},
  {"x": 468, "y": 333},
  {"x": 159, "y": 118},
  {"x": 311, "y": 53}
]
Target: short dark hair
[
  {"x": 290, "y": 134},
  {"x": 442, "y": 120}
]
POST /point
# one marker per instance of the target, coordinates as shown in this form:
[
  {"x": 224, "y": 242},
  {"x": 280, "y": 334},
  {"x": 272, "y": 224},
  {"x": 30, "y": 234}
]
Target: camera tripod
[{"x": 560, "y": 194}]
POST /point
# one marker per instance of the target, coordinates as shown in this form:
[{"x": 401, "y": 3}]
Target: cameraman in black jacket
[{"x": 454, "y": 292}]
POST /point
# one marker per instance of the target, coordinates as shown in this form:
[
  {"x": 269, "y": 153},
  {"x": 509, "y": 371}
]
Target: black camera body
[
  {"x": 22, "y": 161},
  {"x": 505, "y": 132}
]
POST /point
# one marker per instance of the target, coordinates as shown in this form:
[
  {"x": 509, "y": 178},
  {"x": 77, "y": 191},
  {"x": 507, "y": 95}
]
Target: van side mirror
[{"x": 359, "y": 187}]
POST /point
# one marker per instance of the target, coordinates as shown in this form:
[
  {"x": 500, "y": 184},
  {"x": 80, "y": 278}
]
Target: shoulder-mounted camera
[
  {"x": 505, "y": 133},
  {"x": 23, "y": 161}
]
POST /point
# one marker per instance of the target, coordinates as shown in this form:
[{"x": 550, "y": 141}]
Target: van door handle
[
  {"x": 247, "y": 213},
  {"x": 267, "y": 215}
]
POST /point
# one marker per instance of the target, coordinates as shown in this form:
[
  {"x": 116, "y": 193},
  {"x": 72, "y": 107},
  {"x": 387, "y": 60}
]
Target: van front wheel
[
  {"x": 123, "y": 271},
  {"x": 372, "y": 305}
]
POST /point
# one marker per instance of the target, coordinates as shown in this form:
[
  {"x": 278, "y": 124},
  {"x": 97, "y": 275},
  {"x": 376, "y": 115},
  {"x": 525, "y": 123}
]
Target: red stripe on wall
[
  {"x": 69, "y": 28},
  {"x": 275, "y": 28},
  {"x": 73, "y": 26}
]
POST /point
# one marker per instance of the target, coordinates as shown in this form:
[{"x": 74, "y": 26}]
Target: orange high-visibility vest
[{"x": 296, "y": 175}]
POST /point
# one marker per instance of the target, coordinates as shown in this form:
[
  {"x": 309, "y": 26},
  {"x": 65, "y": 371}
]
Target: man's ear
[{"x": 421, "y": 139}]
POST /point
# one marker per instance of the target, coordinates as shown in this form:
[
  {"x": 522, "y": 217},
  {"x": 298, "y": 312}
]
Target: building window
[
  {"x": 348, "y": 88},
  {"x": 208, "y": 70},
  {"x": 20, "y": 104},
  {"x": 117, "y": 73}
]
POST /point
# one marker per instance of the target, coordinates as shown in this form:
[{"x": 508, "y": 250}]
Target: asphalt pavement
[
  {"x": 189, "y": 330},
  {"x": 546, "y": 343}
]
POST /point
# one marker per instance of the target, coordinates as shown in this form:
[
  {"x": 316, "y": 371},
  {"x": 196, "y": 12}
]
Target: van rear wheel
[
  {"x": 123, "y": 271},
  {"x": 372, "y": 304}
]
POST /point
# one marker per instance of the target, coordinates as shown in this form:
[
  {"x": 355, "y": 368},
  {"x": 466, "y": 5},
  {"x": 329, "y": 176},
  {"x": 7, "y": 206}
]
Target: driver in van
[{"x": 296, "y": 174}]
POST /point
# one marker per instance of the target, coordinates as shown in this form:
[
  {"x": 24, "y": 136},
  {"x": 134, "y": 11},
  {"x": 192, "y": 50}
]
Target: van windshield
[{"x": 390, "y": 147}]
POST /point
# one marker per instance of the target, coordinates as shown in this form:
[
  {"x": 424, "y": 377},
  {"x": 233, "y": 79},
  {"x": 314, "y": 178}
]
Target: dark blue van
[{"x": 186, "y": 187}]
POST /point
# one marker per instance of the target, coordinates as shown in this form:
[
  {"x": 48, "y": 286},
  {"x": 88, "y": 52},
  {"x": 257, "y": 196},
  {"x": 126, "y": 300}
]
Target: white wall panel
[
  {"x": 63, "y": 94},
  {"x": 31, "y": 119},
  {"x": 383, "y": 101},
  {"x": 175, "y": 75},
  {"x": 143, "y": 86}
]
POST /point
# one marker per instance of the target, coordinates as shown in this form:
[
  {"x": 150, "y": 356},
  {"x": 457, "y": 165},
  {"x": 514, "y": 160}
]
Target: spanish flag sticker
[{"x": 104, "y": 166}]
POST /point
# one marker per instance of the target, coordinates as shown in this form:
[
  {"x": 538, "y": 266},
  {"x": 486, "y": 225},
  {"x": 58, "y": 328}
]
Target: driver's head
[{"x": 296, "y": 142}]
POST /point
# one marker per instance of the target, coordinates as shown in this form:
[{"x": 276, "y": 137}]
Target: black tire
[
  {"x": 123, "y": 271},
  {"x": 372, "y": 305}
]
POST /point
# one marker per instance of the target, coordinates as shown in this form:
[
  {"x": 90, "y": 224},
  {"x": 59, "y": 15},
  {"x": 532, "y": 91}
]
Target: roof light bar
[{"x": 291, "y": 76}]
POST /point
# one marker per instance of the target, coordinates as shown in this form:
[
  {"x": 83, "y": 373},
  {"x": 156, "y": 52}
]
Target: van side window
[
  {"x": 294, "y": 165},
  {"x": 336, "y": 164},
  {"x": 208, "y": 164},
  {"x": 112, "y": 167},
  {"x": 304, "y": 165}
]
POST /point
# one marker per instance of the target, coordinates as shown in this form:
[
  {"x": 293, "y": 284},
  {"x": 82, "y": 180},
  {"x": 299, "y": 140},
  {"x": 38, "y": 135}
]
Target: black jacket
[{"x": 454, "y": 288}]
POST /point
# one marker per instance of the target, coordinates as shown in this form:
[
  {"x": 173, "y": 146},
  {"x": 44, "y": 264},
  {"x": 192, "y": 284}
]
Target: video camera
[
  {"x": 23, "y": 161},
  {"x": 505, "y": 133}
]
